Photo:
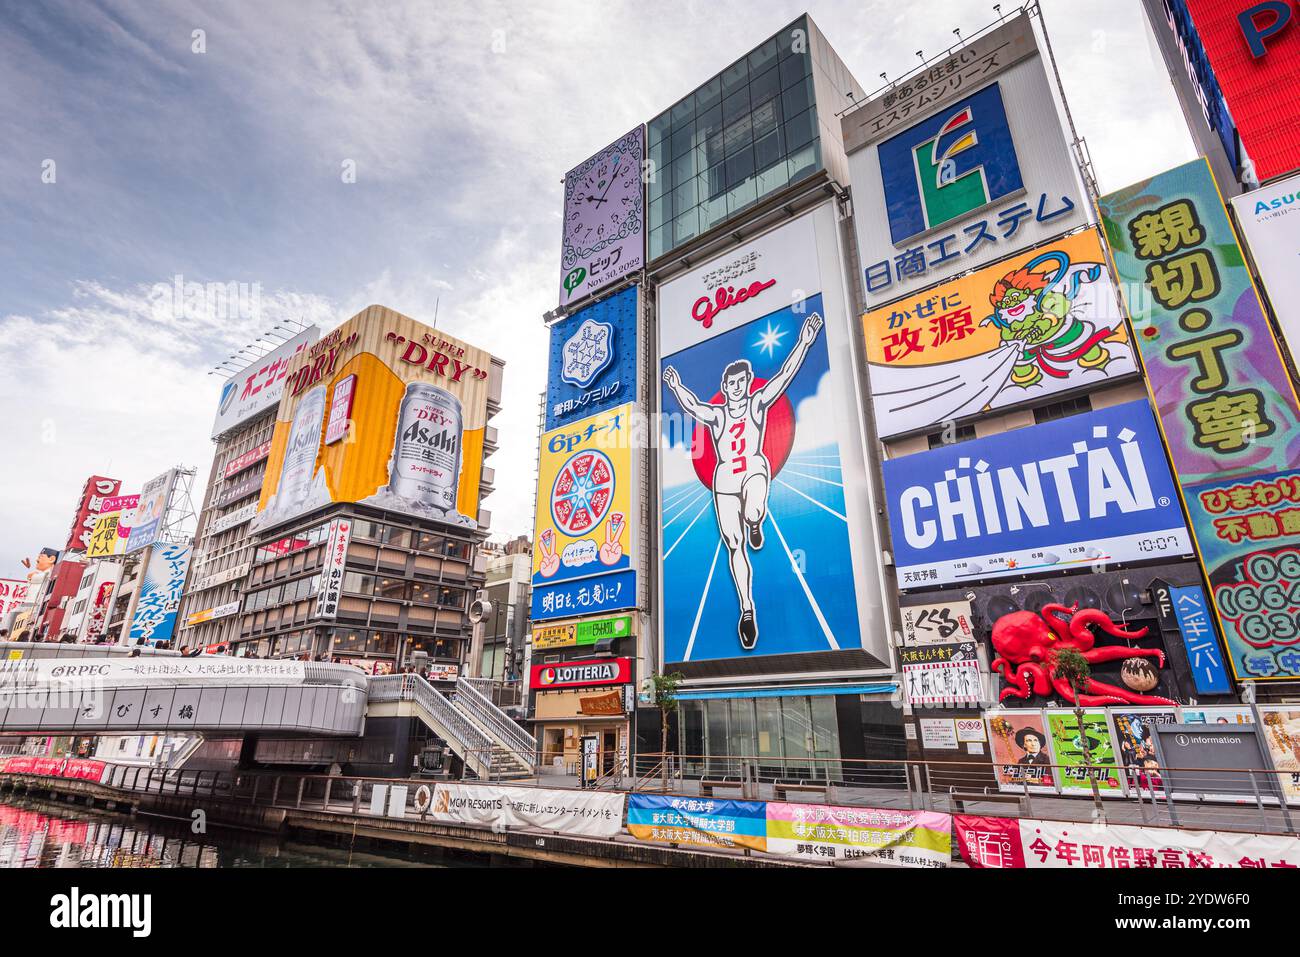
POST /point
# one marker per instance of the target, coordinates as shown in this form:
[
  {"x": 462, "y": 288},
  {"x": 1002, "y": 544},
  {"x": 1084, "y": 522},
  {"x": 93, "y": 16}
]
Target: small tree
[
  {"x": 1070, "y": 664},
  {"x": 664, "y": 691}
]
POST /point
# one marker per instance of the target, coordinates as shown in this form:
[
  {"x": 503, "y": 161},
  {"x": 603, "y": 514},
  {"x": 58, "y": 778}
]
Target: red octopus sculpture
[{"x": 1027, "y": 644}]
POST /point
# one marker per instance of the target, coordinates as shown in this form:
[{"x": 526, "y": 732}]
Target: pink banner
[{"x": 1028, "y": 843}]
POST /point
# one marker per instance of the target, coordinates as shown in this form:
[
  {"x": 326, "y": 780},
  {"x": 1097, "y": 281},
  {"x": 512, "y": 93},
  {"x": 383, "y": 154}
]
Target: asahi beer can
[
  {"x": 304, "y": 445},
  {"x": 425, "y": 467}
]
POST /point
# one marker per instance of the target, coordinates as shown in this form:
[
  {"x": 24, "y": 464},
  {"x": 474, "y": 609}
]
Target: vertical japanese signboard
[
  {"x": 336, "y": 558},
  {"x": 160, "y": 593},
  {"x": 1226, "y": 405},
  {"x": 604, "y": 219},
  {"x": 583, "y": 562}
]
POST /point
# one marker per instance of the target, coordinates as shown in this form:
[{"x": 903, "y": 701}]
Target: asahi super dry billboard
[{"x": 414, "y": 443}]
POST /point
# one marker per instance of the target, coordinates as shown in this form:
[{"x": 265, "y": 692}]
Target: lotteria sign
[
  {"x": 1088, "y": 489},
  {"x": 582, "y": 674}
]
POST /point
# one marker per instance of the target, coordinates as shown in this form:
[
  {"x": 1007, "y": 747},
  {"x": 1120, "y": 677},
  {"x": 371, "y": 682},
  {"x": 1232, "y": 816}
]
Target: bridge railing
[
  {"x": 496, "y": 722},
  {"x": 1242, "y": 799},
  {"x": 414, "y": 688}
]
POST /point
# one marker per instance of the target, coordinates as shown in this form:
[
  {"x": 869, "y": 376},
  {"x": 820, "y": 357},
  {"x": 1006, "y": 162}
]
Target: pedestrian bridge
[
  {"x": 96, "y": 689},
  {"x": 48, "y": 688}
]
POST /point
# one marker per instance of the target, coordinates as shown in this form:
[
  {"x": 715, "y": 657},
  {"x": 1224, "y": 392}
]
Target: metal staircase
[
  {"x": 515, "y": 744},
  {"x": 487, "y": 757}
]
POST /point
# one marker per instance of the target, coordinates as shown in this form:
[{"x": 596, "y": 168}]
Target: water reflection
[{"x": 38, "y": 834}]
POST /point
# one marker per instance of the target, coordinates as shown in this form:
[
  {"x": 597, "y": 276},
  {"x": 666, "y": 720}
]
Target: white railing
[
  {"x": 496, "y": 722},
  {"x": 414, "y": 688}
]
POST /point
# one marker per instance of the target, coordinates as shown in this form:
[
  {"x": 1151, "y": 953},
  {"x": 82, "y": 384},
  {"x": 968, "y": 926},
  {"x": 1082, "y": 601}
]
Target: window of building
[
  {"x": 1062, "y": 410},
  {"x": 746, "y": 133}
]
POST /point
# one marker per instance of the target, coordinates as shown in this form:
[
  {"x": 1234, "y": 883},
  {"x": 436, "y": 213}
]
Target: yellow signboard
[
  {"x": 584, "y": 500},
  {"x": 383, "y": 411},
  {"x": 104, "y": 538},
  {"x": 1043, "y": 321}
]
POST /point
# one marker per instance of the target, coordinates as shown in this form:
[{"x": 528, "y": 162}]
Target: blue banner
[
  {"x": 1197, "y": 626},
  {"x": 697, "y": 822},
  {"x": 588, "y": 596},
  {"x": 1091, "y": 489},
  {"x": 593, "y": 360}
]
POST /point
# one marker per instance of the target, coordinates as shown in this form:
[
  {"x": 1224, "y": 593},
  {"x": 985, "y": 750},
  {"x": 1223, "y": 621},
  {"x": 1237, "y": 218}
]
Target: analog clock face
[{"x": 603, "y": 202}]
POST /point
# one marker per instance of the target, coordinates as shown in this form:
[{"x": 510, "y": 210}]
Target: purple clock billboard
[{"x": 604, "y": 219}]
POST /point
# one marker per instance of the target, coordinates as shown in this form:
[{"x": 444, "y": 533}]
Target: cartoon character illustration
[
  {"x": 1035, "y": 309},
  {"x": 1027, "y": 644},
  {"x": 743, "y": 474},
  {"x": 1053, "y": 323}
]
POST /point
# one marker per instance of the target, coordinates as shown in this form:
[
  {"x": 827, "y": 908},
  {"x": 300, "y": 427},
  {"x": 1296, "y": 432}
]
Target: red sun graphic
[{"x": 778, "y": 437}]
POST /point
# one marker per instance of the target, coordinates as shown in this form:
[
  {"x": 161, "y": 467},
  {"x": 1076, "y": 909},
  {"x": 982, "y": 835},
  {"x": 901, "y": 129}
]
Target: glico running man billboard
[
  {"x": 1086, "y": 490},
  {"x": 383, "y": 411},
  {"x": 584, "y": 556},
  {"x": 767, "y": 540}
]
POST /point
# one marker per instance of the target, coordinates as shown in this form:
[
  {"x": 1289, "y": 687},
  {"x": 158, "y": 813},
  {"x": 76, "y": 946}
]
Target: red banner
[{"x": 77, "y": 769}]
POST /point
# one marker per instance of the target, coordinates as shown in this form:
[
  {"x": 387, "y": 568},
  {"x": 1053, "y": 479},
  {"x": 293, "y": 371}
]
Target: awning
[{"x": 884, "y": 688}]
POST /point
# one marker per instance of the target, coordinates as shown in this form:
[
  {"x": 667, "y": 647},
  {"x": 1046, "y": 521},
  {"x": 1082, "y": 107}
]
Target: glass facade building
[{"x": 747, "y": 133}]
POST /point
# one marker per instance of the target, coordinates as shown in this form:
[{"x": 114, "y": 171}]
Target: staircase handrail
[{"x": 497, "y": 722}]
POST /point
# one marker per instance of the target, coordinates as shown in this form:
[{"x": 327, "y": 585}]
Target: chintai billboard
[
  {"x": 1088, "y": 490},
  {"x": 768, "y": 545}
]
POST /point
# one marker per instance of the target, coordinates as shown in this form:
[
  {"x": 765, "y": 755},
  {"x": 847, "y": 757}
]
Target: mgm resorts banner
[
  {"x": 1091, "y": 489},
  {"x": 768, "y": 538},
  {"x": 384, "y": 411},
  {"x": 591, "y": 814}
]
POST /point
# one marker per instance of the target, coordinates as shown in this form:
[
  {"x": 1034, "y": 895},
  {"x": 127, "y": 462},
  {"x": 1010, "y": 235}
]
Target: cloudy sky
[{"x": 459, "y": 118}]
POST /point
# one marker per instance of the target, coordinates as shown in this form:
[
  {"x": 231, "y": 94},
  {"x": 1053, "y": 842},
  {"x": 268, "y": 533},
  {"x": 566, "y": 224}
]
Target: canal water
[{"x": 53, "y": 834}]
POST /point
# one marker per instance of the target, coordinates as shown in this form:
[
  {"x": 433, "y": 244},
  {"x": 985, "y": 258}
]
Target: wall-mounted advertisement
[
  {"x": 1249, "y": 537},
  {"x": 1085, "y": 490},
  {"x": 419, "y": 415},
  {"x": 93, "y": 493},
  {"x": 1134, "y": 731},
  {"x": 585, "y": 521},
  {"x": 260, "y": 386},
  {"x": 1068, "y": 747},
  {"x": 1022, "y": 751},
  {"x": 576, "y": 634},
  {"x": 767, "y": 537},
  {"x": 946, "y": 674},
  {"x": 604, "y": 219},
  {"x": 111, "y": 531},
  {"x": 1270, "y": 222},
  {"x": 331, "y": 576},
  {"x": 1224, "y": 398},
  {"x": 150, "y": 511},
  {"x": 13, "y": 595},
  {"x": 976, "y": 173},
  {"x": 1282, "y": 735},
  {"x": 593, "y": 360},
  {"x": 936, "y": 624},
  {"x": 1039, "y": 323},
  {"x": 160, "y": 594}
]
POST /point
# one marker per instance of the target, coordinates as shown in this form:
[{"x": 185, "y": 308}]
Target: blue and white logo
[{"x": 588, "y": 353}]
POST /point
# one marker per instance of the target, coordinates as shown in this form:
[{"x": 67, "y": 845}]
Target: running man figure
[{"x": 743, "y": 474}]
